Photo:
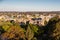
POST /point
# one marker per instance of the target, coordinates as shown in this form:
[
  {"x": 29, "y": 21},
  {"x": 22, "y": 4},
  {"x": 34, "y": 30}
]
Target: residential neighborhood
[
  {"x": 30, "y": 25},
  {"x": 29, "y": 19},
  {"x": 32, "y": 17}
]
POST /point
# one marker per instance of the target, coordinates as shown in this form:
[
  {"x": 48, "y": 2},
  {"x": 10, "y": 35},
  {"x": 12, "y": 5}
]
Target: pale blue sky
[{"x": 29, "y": 5}]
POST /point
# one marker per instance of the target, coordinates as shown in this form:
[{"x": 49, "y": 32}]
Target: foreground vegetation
[{"x": 11, "y": 30}]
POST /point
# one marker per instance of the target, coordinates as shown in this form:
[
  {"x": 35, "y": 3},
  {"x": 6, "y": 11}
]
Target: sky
[{"x": 29, "y": 5}]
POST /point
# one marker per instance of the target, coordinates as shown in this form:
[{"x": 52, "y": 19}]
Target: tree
[
  {"x": 31, "y": 30},
  {"x": 56, "y": 33},
  {"x": 45, "y": 22},
  {"x": 15, "y": 32},
  {"x": 34, "y": 28},
  {"x": 1, "y": 30},
  {"x": 29, "y": 34},
  {"x": 50, "y": 29}
]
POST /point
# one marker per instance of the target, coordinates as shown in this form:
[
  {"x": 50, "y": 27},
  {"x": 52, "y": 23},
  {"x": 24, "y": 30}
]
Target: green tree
[
  {"x": 34, "y": 28},
  {"x": 14, "y": 32},
  {"x": 45, "y": 22},
  {"x": 29, "y": 33},
  {"x": 50, "y": 29},
  {"x": 1, "y": 30},
  {"x": 56, "y": 33}
]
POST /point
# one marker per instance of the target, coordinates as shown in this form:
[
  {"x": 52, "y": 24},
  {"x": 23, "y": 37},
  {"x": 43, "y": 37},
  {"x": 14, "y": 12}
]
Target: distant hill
[{"x": 15, "y": 12}]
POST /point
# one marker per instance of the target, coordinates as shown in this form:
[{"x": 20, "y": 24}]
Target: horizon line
[{"x": 30, "y": 11}]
